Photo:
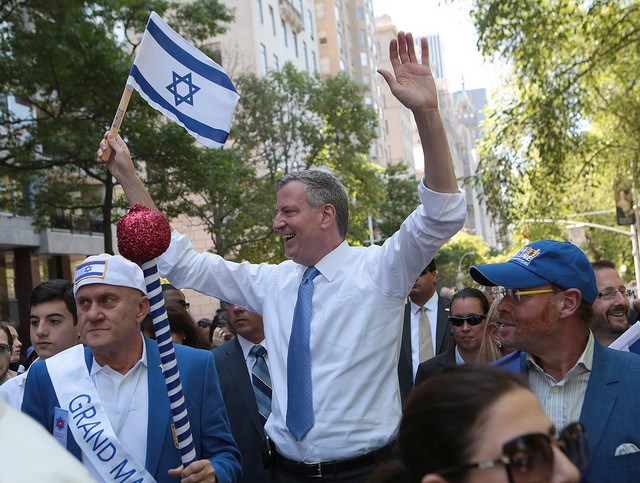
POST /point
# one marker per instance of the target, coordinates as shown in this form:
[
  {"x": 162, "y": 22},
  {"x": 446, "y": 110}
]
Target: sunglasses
[
  {"x": 529, "y": 458},
  {"x": 471, "y": 320}
]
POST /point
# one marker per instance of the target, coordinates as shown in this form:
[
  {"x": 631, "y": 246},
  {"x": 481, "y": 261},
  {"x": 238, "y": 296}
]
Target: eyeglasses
[
  {"x": 5, "y": 348},
  {"x": 529, "y": 458},
  {"x": 471, "y": 320},
  {"x": 184, "y": 303},
  {"x": 611, "y": 294},
  {"x": 516, "y": 295}
]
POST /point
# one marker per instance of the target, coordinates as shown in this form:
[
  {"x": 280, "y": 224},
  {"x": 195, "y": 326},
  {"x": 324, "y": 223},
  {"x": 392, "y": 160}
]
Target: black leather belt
[{"x": 332, "y": 468}]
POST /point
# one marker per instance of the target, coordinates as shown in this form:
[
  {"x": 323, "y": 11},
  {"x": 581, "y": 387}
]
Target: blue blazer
[
  {"x": 238, "y": 395},
  {"x": 207, "y": 415},
  {"x": 610, "y": 413}
]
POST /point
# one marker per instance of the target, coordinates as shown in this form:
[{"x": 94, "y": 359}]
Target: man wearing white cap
[{"x": 95, "y": 401}]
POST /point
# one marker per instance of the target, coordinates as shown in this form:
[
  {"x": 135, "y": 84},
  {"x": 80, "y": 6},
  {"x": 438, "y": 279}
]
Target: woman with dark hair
[
  {"x": 467, "y": 318},
  {"x": 183, "y": 328},
  {"x": 477, "y": 423}
]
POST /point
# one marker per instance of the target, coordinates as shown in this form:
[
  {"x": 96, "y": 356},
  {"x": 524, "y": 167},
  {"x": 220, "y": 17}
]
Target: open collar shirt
[
  {"x": 356, "y": 325},
  {"x": 562, "y": 400}
]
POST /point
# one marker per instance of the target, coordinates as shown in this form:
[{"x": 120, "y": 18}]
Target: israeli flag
[
  {"x": 629, "y": 341},
  {"x": 184, "y": 84}
]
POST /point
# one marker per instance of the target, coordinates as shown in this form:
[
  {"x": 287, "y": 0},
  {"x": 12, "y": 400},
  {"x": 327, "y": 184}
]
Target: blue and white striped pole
[{"x": 169, "y": 364}]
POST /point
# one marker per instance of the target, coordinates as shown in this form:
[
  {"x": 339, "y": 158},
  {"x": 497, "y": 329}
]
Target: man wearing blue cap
[{"x": 546, "y": 293}]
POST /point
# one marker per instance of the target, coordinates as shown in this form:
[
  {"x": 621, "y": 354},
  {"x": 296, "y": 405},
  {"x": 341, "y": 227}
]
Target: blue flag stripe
[
  {"x": 217, "y": 135},
  {"x": 185, "y": 58}
]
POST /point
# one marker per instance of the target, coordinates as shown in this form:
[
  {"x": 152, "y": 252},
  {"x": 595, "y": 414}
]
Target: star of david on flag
[{"x": 184, "y": 84}]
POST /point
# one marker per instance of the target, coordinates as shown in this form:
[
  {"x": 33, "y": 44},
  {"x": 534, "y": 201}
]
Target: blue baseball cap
[{"x": 540, "y": 263}]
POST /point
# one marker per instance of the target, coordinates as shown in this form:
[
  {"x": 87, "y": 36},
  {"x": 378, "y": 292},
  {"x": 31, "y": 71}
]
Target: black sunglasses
[
  {"x": 529, "y": 458},
  {"x": 471, "y": 320}
]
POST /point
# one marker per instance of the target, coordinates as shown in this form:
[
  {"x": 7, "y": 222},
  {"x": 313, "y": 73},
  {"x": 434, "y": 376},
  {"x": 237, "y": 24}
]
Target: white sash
[{"x": 88, "y": 420}]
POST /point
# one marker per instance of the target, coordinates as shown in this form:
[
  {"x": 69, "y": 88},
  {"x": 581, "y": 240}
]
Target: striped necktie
[
  {"x": 300, "y": 417},
  {"x": 261, "y": 381}
]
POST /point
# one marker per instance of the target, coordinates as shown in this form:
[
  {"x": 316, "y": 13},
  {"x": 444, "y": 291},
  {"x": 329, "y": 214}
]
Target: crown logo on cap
[{"x": 525, "y": 255}]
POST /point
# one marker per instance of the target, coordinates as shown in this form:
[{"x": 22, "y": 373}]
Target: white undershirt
[{"x": 125, "y": 398}]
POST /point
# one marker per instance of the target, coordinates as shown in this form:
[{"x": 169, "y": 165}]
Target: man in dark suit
[
  {"x": 423, "y": 294},
  {"x": 234, "y": 363}
]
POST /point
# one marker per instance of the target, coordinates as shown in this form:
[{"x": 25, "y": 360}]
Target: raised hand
[{"x": 411, "y": 82}]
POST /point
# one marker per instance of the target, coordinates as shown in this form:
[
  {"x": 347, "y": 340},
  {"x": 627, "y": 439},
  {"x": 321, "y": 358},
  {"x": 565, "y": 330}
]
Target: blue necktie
[
  {"x": 261, "y": 381},
  {"x": 299, "y": 401}
]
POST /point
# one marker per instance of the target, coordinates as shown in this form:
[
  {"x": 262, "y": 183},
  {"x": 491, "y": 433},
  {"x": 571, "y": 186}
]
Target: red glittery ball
[{"x": 143, "y": 234}]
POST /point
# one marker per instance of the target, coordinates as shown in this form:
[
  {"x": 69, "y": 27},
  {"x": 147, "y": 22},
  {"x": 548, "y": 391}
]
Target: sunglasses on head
[
  {"x": 529, "y": 458},
  {"x": 471, "y": 320}
]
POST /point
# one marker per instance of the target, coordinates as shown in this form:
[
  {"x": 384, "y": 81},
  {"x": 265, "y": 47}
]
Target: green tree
[
  {"x": 66, "y": 62},
  {"x": 401, "y": 199},
  {"x": 462, "y": 251},
  {"x": 565, "y": 125}
]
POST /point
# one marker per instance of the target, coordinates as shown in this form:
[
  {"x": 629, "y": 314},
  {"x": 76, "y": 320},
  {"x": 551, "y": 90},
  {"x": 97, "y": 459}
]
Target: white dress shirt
[
  {"x": 12, "y": 391},
  {"x": 125, "y": 399},
  {"x": 432, "y": 313},
  {"x": 356, "y": 325}
]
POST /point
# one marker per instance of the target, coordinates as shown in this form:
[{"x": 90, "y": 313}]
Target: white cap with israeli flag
[
  {"x": 109, "y": 270},
  {"x": 184, "y": 84}
]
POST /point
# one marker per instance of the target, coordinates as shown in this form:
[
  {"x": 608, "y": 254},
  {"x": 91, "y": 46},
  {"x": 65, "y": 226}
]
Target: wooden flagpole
[{"x": 117, "y": 120}]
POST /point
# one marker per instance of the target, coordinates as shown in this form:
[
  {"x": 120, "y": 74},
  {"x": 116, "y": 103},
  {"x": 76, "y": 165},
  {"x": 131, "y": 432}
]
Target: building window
[
  {"x": 340, "y": 46},
  {"x": 272, "y": 19},
  {"x": 306, "y": 55},
  {"x": 284, "y": 33},
  {"x": 336, "y": 9},
  {"x": 259, "y": 6},
  {"x": 362, "y": 38},
  {"x": 295, "y": 43},
  {"x": 360, "y": 13},
  {"x": 319, "y": 10},
  {"x": 315, "y": 62},
  {"x": 310, "y": 23},
  {"x": 364, "y": 59},
  {"x": 263, "y": 58},
  {"x": 276, "y": 63}
]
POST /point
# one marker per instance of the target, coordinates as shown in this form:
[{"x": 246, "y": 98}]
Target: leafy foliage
[
  {"x": 566, "y": 123},
  {"x": 67, "y": 63}
]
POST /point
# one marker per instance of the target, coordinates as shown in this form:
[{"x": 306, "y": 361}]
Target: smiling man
[
  {"x": 547, "y": 294},
  {"x": 52, "y": 327},
  {"x": 611, "y": 307},
  {"x": 335, "y": 407}
]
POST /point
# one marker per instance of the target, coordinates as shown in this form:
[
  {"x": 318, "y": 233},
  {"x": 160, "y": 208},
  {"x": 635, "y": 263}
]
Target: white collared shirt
[
  {"x": 562, "y": 400},
  {"x": 125, "y": 399},
  {"x": 12, "y": 391},
  {"x": 432, "y": 313},
  {"x": 356, "y": 325}
]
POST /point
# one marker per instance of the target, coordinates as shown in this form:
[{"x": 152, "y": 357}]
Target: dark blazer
[
  {"x": 207, "y": 417},
  {"x": 238, "y": 395},
  {"x": 436, "y": 364},
  {"x": 444, "y": 342},
  {"x": 610, "y": 413}
]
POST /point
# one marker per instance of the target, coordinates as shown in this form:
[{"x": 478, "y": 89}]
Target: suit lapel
[
  {"x": 159, "y": 411},
  {"x": 406, "y": 336},
  {"x": 442, "y": 325},
  {"x": 599, "y": 400},
  {"x": 237, "y": 368}
]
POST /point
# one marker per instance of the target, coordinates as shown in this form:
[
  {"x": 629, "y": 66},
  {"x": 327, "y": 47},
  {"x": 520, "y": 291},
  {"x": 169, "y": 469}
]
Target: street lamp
[{"x": 459, "y": 274}]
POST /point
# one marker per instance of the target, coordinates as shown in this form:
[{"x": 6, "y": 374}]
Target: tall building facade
[{"x": 346, "y": 34}]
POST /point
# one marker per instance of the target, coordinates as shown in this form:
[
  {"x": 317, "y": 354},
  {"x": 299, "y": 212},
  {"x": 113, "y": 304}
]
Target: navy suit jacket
[
  {"x": 246, "y": 423},
  {"x": 436, "y": 364},
  {"x": 444, "y": 342},
  {"x": 207, "y": 416},
  {"x": 610, "y": 413}
]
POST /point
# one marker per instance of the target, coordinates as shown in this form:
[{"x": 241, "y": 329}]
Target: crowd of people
[{"x": 342, "y": 363}]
